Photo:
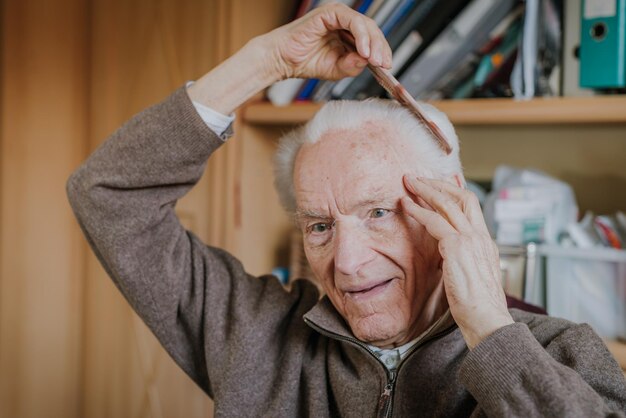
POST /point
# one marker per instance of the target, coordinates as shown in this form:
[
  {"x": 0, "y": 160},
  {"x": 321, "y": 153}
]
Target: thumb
[{"x": 351, "y": 64}]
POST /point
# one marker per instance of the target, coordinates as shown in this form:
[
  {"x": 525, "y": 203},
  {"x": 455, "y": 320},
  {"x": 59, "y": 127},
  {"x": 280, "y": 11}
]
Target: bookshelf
[
  {"x": 599, "y": 123},
  {"x": 581, "y": 140},
  {"x": 618, "y": 349},
  {"x": 557, "y": 110}
]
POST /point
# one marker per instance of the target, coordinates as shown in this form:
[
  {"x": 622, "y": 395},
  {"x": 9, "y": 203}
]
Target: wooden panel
[
  {"x": 265, "y": 227},
  {"x": 44, "y": 91},
  {"x": 618, "y": 349},
  {"x": 142, "y": 51}
]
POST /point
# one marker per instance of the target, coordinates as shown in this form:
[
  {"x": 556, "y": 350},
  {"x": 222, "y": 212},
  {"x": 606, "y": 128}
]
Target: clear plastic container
[{"x": 587, "y": 285}]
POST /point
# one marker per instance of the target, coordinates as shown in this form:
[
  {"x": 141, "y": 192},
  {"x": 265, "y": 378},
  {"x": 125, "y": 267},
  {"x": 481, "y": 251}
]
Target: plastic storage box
[{"x": 587, "y": 285}]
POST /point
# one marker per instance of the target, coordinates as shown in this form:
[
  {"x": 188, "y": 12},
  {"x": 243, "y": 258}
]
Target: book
[
  {"x": 384, "y": 11},
  {"x": 469, "y": 30},
  {"x": 482, "y": 70},
  {"x": 307, "y": 89},
  {"x": 407, "y": 40},
  {"x": 400, "y": 12},
  {"x": 371, "y": 11},
  {"x": 283, "y": 92},
  {"x": 539, "y": 52},
  {"x": 395, "y": 38}
]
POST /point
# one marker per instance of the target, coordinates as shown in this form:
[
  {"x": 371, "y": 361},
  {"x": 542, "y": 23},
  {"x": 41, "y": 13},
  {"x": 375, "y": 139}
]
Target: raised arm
[
  {"x": 309, "y": 47},
  {"x": 197, "y": 300}
]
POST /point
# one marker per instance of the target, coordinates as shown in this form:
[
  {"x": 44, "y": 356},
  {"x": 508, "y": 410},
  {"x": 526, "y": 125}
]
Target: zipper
[
  {"x": 344, "y": 338},
  {"x": 385, "y": 402},
  {"x": 386, "y": 398},
  {"x": 421, "y": 343}
]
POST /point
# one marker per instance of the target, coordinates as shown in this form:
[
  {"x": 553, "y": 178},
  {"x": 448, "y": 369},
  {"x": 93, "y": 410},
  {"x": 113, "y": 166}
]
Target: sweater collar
[{"x": 323, "y": 317}]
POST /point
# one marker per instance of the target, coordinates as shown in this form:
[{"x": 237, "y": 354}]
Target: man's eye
[
  {"x": 378, "y": 213},
  {"x": 319, "y": 228}
]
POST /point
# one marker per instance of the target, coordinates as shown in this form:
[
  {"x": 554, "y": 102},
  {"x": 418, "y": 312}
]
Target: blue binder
[{"x": 603, "y": 44}]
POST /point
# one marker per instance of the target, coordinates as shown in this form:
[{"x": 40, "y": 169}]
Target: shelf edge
[{"x": 541, "y": 111}]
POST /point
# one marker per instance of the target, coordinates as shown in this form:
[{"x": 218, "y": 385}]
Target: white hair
[{"x": 347, "y": 114}]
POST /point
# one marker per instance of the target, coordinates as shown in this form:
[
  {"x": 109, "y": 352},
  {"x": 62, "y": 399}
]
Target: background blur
[{"x": 71, "y": 72}]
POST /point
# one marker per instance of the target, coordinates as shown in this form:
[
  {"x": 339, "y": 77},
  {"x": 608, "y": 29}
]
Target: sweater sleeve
[
  {"x": 202, "y": 306},
  {"x": 511, "y": 373}
]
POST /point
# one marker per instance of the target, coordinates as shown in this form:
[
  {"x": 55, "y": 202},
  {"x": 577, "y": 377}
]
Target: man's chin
[{"x": 377, "y": 329}]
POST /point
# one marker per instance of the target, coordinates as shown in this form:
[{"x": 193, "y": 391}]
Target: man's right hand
[{"x": 310, "y": 47}]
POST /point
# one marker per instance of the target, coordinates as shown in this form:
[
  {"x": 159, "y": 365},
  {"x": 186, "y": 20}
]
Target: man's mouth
[{"x": 368, "y": 291}]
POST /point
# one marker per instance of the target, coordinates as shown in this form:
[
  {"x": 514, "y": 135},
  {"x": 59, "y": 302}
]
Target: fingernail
[
  {"x": 409, "y": 184},
  {"x": 377, "y": 58},
  {"x": 366, "y": 50}
]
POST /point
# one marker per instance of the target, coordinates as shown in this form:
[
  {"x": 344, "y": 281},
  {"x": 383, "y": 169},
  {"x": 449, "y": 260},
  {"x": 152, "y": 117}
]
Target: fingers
[
  {"x": 441, "y": 202},
  {"x": 369, "y": 40},
  {"x": 467, "y": 200},
  {"x": 434, "y": 223},
  {"x": 351, "y": 64}
]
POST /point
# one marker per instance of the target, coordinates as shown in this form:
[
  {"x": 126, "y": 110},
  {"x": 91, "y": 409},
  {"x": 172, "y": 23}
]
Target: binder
[
  {"x": 571, "y": 50},
  {"x": 395, "y": 38},
  {"x": 603, "y": 44},
  {"x": 407, "y": 41},
  {"x": 466, "y": 33}
]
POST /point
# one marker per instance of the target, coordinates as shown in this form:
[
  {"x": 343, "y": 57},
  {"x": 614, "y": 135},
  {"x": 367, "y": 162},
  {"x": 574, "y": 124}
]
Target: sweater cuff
[
  {"x": 187, "y": 134},
  {"x": 496, "y": 366}
]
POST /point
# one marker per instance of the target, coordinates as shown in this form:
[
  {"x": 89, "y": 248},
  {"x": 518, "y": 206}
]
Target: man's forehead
[
  {"x": 350, "y": 151},
  {"x": 350, "y": 169}
]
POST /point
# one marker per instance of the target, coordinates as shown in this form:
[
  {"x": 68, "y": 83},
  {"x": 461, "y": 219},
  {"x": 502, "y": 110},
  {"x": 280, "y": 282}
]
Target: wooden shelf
[
  {"x": 541, "y": 111},
  {"x": 618, "y": 349}
]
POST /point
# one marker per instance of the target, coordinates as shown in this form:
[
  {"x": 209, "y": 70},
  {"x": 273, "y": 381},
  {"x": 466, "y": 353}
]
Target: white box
[{"x": 587, "y": 285}]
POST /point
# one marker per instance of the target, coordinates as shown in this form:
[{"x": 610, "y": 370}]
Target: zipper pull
[{"x": 384, "y": 401}]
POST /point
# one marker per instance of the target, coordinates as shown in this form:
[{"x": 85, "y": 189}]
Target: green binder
[{"x": 603, "y": 44}]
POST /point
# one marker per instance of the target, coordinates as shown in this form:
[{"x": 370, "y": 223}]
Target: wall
[
  {"x": 44, "y": 85},
  {"x": 72, "y": 72},
  {"x": 589, "y": 157}
]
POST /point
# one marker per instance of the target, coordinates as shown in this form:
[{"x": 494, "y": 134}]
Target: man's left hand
[{"x": 470, "y": 265}]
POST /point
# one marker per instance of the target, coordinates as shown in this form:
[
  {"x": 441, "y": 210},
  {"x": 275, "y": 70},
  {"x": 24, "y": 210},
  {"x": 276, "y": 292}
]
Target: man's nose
[{"x": 352, "y": 249}]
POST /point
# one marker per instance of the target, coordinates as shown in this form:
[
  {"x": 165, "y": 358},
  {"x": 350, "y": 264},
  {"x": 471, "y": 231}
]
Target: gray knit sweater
[{"x": 259, "y": 350}]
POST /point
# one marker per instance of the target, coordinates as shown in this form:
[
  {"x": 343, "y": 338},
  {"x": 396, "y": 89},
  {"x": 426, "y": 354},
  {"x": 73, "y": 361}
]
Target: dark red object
[{"x": 512, "y": 302}]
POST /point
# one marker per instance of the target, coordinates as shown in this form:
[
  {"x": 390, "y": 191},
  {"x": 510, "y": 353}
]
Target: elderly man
[{"x": 414, "y": 321}]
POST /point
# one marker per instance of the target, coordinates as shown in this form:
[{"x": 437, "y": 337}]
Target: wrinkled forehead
[
  {"x": 372, "y": 144},
  {"x": 350, "y": 164}
]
